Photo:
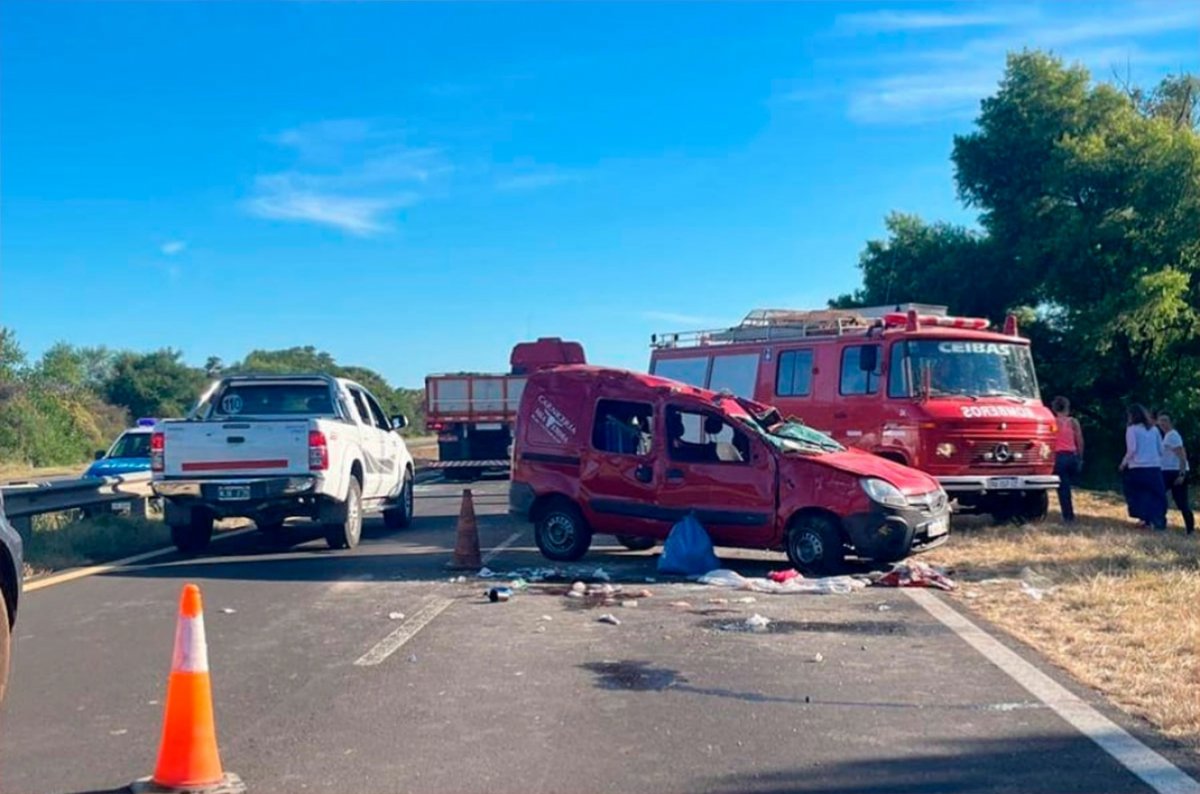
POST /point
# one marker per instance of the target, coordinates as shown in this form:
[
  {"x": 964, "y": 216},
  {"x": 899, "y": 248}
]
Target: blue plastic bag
[{"x": 688, "y": 550}]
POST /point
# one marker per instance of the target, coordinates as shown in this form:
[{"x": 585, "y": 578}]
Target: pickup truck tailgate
[{"x": 259, "y": 448}]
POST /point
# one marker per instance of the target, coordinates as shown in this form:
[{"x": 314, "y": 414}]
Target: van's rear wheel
[
  {"x": 191, "y": 529},
  {"x": 635, "y": 543},
  {"x": 561, "y": 533},
  {"x": 814, "y": 545},
  {"x": 345, "y": 530}
]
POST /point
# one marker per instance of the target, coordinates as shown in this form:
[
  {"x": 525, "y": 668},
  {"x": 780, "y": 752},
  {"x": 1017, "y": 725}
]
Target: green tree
[{"x": 154, "y": 384}]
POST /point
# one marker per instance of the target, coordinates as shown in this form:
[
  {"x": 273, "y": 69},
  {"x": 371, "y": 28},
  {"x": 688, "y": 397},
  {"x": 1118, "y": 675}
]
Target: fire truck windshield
[{"x": 962, "y": 368}]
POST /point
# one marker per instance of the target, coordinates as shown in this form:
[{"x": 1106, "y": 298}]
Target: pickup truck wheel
[
  {"x": 193, "y": 537},
  {"x": 561, "y": 533},
  {"x": 634, "y": 543},
  {"x": 401, "y": 516},
  {"x": 5, "y": 644},
  {"x": 345, "y": 533},
  {"x": 814, "y": 545}
]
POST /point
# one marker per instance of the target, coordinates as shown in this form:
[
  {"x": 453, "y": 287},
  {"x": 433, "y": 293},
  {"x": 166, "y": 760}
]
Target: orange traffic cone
[
  {"x": 466, "y": 547},
  {"x": 187, "y": 757}
]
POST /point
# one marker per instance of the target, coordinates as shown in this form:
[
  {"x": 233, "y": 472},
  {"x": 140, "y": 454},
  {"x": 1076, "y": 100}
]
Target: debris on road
[
  {"x": 458, "y": 579},
  {"x": 757, "y": 622},
  {"x": 631, "y": 603},
  {"x": 915, "y": 574},
  {"x": 1034, "y": 585},
  {"x": 395, "y": 616},
  {"x": 644, "y": 593},
  {"x": 228, "y": 610},
  {"x": 519, "y": 584},
  {"x": 612, "y": 620},
  {"x": 485, "y": 573},
  {"x": 723, "y": 577},
  {"x": 579, "y": 588},
  {"x": 499, "y": 594},
  {"x": 688, "y": 550},
  {"x": 681, "y": 604},
  {"x": 546, "y": 617},
  {"x": 818, "y": 658},
  {"x": 745, "y": 600},
  {"x": 884, "y": 607},
  {"x": 783, "y": 576},
  {"x": 601, "y": 574}
]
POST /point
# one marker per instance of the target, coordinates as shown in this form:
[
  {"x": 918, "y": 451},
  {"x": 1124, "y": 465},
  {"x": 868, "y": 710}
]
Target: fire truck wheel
[
  {"x": 634, "y": 543},
  {"x": 561, "y": 533},
  {"x": 814, "y": 545}
]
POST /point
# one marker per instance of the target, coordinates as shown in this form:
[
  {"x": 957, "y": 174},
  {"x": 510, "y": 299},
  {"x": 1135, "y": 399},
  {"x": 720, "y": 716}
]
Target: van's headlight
[
  {"x": 945, "y": 450},
  {"x": 883, "y": 492}
]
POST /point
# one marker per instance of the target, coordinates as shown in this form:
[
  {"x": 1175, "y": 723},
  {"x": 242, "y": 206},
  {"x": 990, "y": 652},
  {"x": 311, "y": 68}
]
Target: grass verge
[
  {"x": 19, "y": 471},
  {"x": 1115, "y": 606},
  {"x": 67, "y": 540}
]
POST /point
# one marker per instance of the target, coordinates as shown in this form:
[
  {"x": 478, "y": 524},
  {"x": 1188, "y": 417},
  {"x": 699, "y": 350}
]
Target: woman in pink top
[{"x": 1068, "y": 454}]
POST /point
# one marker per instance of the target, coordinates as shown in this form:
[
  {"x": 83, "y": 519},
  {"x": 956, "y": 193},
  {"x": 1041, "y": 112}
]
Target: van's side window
[
  {"x": 856, "y": 380},
  {"x": 625, "y": 428},
  {"x": 793, "y": 377},
  {"x": 696, "y": 437}
]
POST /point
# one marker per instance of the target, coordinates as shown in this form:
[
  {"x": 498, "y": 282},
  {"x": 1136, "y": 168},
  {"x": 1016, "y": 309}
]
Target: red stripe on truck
[{"x": 225, "y": 465}]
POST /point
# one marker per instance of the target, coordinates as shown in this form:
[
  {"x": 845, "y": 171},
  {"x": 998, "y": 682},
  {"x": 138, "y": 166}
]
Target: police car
[{"x": 129, "y": 454}]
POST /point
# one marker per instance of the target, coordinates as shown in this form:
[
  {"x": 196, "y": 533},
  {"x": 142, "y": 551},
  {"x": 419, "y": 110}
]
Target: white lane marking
[
  {"x": 407, "y": 630},
  {"x": 1156, "y": 771},
  {"x": 511, "y": 539},
  {"x": 92, "y": 570}
]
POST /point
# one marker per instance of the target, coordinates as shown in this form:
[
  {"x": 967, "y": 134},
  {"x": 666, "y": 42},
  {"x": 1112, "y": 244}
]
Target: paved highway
[{"x": 318, "y": 689}]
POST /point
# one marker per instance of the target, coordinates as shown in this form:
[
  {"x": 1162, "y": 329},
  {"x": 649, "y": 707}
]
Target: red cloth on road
[{"x": 783, "y": 576}]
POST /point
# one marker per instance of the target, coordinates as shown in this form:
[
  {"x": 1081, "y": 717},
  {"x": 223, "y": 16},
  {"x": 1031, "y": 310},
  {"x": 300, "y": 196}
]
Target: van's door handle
[
  {"x": 674, "y": 474},
  {"x": 643, "y": 473}
]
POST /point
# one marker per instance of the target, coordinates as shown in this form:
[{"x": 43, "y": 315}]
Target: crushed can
[{"x": 499, "y": 594}]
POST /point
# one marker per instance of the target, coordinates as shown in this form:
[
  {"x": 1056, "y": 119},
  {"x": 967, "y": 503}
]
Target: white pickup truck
[{"x": 269, "y": 447}]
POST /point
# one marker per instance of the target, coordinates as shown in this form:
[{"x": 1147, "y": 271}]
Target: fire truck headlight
[{"x": 945, "y": 450}]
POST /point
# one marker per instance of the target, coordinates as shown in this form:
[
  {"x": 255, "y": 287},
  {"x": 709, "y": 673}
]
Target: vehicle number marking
[
  {"x": 233, "y": 493},
  {"x": 1001, "y": 483}
]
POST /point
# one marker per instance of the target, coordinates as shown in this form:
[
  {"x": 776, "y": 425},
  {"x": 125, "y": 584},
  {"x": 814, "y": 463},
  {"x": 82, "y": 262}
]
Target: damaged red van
[{"x": 608, "y": 451}]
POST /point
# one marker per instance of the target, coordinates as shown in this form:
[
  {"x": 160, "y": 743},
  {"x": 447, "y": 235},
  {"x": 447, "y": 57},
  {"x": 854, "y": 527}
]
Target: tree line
[
  {"x": 74, "y": 400},
  {"x": 1088, "y": 201}
]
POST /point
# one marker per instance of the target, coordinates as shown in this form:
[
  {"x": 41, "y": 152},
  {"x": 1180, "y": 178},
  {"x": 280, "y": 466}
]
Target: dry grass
[
  {"x": 1121, "y": 609},
  {"x": 66, "y": 540},
  {"x": 20, "y": 471}
]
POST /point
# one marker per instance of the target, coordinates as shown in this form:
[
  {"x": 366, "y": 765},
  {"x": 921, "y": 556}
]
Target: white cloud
[
  {"x": 280, "y": 197},
  {"x": 677, "y": 318},
  {"x": 897, "y": 21},
  {"x": 938, "y": 83},
  {"x": 173, "y": 247},
  {"x": 352, "y": 175}
]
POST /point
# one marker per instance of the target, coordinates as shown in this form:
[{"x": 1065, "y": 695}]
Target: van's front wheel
[
  {"x": 561, "y": 533},
  {"x": 814, "y": 545}
]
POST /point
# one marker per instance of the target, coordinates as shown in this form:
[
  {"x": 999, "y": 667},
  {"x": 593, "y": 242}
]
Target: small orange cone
[
  {"x": 466, "y": 547},
  {"x": 187, "y": 756}
]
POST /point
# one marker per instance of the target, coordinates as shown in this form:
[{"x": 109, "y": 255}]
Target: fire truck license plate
[
  {"x": 1003, "y": 483},
  {"x": 233, "y": 493}
]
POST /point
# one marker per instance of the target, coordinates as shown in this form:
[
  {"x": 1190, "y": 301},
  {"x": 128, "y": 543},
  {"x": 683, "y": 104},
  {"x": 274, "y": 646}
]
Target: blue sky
[{"x": 416, "y": 187}]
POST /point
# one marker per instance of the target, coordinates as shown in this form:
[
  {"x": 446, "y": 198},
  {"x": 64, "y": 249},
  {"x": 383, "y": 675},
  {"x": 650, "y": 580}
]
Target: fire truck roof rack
[{"x": 771, "y": 324}]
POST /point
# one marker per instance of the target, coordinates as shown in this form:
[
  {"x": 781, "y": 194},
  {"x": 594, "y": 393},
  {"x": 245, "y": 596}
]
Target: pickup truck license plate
[
  {"x": 938, "y": 527},
  {"x": 1003, "y": 483},
  {"x": 233, "y": 493}
]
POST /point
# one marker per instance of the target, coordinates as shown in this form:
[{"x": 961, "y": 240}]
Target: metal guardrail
[{"x": 23, "y": 501}]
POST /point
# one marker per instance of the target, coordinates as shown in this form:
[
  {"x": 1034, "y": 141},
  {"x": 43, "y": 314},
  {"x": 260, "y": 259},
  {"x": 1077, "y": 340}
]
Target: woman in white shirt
[
  {"x": 1144, "y": 492},
  {"x": 1175, "y": 470}
]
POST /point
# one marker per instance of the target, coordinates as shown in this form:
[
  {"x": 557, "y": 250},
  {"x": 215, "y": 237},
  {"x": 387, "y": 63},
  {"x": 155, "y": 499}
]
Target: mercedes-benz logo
[{"x": 1003, "y": 453}]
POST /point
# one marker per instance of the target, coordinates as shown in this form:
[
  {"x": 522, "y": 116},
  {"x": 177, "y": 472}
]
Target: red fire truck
[
  {"x": 912, "y": 383},
  {"x": 473, "y": 413}
]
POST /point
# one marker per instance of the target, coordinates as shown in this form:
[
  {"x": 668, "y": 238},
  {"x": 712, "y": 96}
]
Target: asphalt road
[{"x": 859, "y": 693}]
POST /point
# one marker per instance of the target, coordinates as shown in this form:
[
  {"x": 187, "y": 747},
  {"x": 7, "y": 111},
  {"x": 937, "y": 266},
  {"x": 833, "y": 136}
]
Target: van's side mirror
[
  {"x": 99, "y": 454},
  {"x": 399, "y": 422},
  {"x": 868, "y": 358}
]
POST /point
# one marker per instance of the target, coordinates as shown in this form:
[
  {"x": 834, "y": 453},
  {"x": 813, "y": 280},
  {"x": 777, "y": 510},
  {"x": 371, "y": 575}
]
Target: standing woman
[
  {"x": 1068, "y": 455},
  {"x": 1175, "y": 469},
  {"x": 1142, "y": 465}
]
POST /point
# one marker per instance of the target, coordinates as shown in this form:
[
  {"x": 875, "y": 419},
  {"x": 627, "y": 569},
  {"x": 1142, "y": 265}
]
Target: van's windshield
[{"x": 787, "y": 435}]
